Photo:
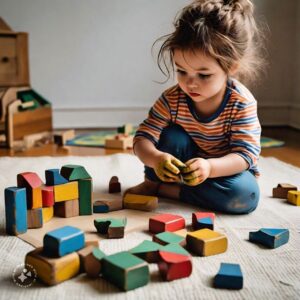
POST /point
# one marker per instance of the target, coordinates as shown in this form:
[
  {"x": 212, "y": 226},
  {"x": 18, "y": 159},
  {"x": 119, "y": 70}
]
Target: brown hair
[{"x": 224, "y": 29}]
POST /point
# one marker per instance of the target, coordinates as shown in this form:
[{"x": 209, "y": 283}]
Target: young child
[{"x": 201, "y": 140}]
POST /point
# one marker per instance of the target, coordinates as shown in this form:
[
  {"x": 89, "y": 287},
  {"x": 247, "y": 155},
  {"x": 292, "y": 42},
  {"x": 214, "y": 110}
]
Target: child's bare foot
[{"x": 147, "y": 188}]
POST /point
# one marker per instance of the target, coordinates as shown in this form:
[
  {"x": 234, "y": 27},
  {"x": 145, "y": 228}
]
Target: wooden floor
[{"x": 290, "y": 153}]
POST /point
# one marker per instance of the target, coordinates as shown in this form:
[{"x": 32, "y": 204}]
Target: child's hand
[
  {"x": 197, "y": 170},
  {"x": 168, "y": 168}
]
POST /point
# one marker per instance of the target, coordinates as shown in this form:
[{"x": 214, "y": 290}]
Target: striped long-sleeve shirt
[{"x": 233, "y": 128}]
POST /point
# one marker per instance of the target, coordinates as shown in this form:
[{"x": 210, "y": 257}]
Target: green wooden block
[
  {"x": 167, "y": 237},
  {"x": 74, "y": 172},
  {"x": 85, "y": 188},
  {"x": 114, "y": 228},
  {"x": 175, "y": 248},
  {"x": 125, "y": 270},
  {"x": 147, "y": 250}
]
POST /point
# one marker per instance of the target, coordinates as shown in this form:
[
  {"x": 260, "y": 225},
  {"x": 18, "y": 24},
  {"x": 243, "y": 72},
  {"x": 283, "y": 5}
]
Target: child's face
[{"x": 199, "y": 76}]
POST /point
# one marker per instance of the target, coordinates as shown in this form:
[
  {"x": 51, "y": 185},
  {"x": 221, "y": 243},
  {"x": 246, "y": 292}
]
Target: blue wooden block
[
  {"x": 229, "y": 277},
  {"x": 53, "y": 177},
  {"x": 15, "y": 210},
  {"x": 62, "y": 241},
  {"x": 205, "y": 223},
  {"x": 100, "y": 208},
  {"x": 270, "y": 237}
]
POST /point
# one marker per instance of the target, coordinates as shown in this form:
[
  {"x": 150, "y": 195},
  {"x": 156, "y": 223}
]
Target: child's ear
[{"x": 234, "y": 68}]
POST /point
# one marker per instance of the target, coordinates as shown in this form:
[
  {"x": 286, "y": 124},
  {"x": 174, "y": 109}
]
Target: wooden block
[
  {"x": 174, "y": 266},
  {"x": 229, "y": 277},
  {"x": 15, "y": 210},
  {"x": 206, "y": 242},
  {"x": 74, "y": 172},
  {"x": 126, "y": 129},
  {"x": 32, "y": 182},
  {"x": 205, "y": 223},
  {"x": 167, "y": 237},
  {"x": 67, "y": 191},
  {"x": 37, "y": 139},
  {"x": 93, "y": 262},
  {"x": 147, "y": 250},
  {"x": 94, "y": 243},
  {"x": 294, "y": 197},
  {"x": 120, "y": 141},
  {"x": 114, "y": 185},
  {"x": 125, "y": 270},
  {"x": 140, "y": 202},
  {"x": 47, "y": 213},
  {"x": 281, "y": 191},
  {"x": 201, "y": 215},
  {"x": 107, "y": 202},
  {"x": 85, "y": 187},
  {"x": 114, "y": 228},
  {"x": 83, "y": 253},
  {"x": 175, "y": 248},
  {"x": 47, "y": 196},
  {"x": 62, "y": 241},
  {"x": 166, "y": 222},
  {"x": 53, "y": 177},
  {"x": 270, "y": 237},
  {"x": 53, "y": 270},
  {"x": 34, "y": 218},
  {"x": 67, "y": 209},
  {"x": 61, "y": 138}
]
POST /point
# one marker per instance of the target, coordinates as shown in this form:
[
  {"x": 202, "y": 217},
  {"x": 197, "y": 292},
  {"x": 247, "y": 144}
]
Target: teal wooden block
[
  {"x": 270, "y": 237},
  {"x": 53, "y": 177},
  {"x": 125, "y": 270},
  {"x": 147, "y": 250},
  {"x": 85, "y": 188},
  {"x": 15, "y": 210},
  {"x": 167, "y": 237},
  {"x": 175, "y": 248},
  {"x": 62, "y": 241},
  {"x": 229, "y": 277},
  {"x": 74, "y": 172}
]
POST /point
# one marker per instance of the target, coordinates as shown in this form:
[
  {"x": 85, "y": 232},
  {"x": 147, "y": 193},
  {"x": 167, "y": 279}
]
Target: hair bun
[{"x": 244, "y": 6}]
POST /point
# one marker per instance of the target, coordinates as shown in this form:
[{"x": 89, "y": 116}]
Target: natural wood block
[
  {"x": 108, "y": 202},
  {"x": 85, "y": 187},
  {"x": 15, "y": 210},
  {"x": 47, "y": 213},
  {"x": 114, "y": 228},
  {"x": 61, "y": 138},
  {"x": 63, "y": 240},
  {"x": 166, "y": 222},
  {"x": 198, "y": 224},
  {"x": 281, "y": 191},
  {"x": 83, "y": 253},
  {"x": 294, "y": 197},
  {"x": 67, "y": 209},
  {"x": 53, "y": 177},
  {"x": 206, "y": 242},
  {"x": 230, "y": 276},
  {"x": 114, "y": 185},
  {"x": 93, "y": 262},
  {"x": 120, "y": 141},
  {"x": 125, "y": 270},
  {"x": 147, "y": 250},
  {"x": 140, "y": 202},
  {"x": 47, "y": 196},
  {"x": 270, "y": 237},
  {"x": 74, "y": 172},
  {"x": 67, "y": 191},
  {"x": 167, "y": 237},
  {"x": 53, "y": 270},
  {"x": 34, "y": 218}
]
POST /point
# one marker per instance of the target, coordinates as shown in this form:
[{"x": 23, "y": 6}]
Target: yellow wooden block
[
  {"x": 294, "y": 197},
  {"x": 140, "y": 202},
  {"x": 47, "y": 213},
  {"x": 53, "y": 270},
  {"x": 66, "y": 191},
  {"x": 206, "y": 242}
]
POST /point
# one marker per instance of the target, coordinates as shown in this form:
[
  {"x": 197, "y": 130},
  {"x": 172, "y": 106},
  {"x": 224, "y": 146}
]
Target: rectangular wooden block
[
  {"x": 67, "y": 209},
  {"x": 140, "y": 202},
  {"x": 47, "y": 213},
  {"x": 47, "y": 196},
  {"x": 281, "y": 191},
  {"x": 107, "y": 202},
  {"x": 294, "y": 197},
  {"x": 230, "y": 276},
  {"x": 15, "y": 210},
  {"x": 67, "y": 191},
  {"x": 34, "y": 218},
  {"x": 85, "y": 187},
  {"x": 166, "y": 222}
]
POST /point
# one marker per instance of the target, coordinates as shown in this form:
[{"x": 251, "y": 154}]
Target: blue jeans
[{"x": 236, "y": 194}]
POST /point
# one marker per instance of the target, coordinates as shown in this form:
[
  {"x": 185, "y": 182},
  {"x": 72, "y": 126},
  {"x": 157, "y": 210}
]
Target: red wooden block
[
  {"x": 47, "y": 196},
  {"x": 166, "y": 222},
  {"x": 174, "y": 266},
  {"x": 200, "y": 215}
]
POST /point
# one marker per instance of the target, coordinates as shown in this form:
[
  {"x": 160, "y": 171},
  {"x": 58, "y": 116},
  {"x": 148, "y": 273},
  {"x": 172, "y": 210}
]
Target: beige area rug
[{"x": 268, "y": 274}]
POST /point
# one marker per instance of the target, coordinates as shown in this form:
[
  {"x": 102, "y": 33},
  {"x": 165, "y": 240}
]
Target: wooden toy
[
  {"x": 174, "y": 266},
  {"x": 62, "y": 241},
  {"x": 206, "y": 242},
  {"x": 32, "y": 182},
  {"x": 140, "y": 202},
  {"x": 15, "y": 210},
  {"x": 294, "y": 197},
  {"x": 61, "y": 138},
  {"x": 119, "y": 141},
  {"x": 125, "y": 270},
  {"x": 67, "y": 209},
  {"x": 93, "y": 262},
  {"x": 126, "y": 129},
  {"x": 47, "y": 213},
  {"x": 47, "y": 196},
  {"x": 53, "y": 177},
  {"x": 36, "y": 139},
  {"x": 147, "y": 250},
  {"x": 74, "y": 172},
  {"x": 229, "y": 277},
  {"x": 281, "y": 191},
  {"x": 85, "y": 187},
  {"x": 94, "y": 243},
  {"x": 67, "y": 191},
  {"x": 198, "y": 224},
  {"x": 83, "y": 253},
  {"x": 108, "y": 202},
  {"x": 114, "y": 185},
  {"x": 167, "y": 237},
  {"x": 166, "y": 222},
  {"x": 53, "y": 270},
  {"x": 175, "y": 248},
  {"x": 114, "y": 228},
  {"x": 34, "y": 218},
  {"x": 270, "y": 237}
]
